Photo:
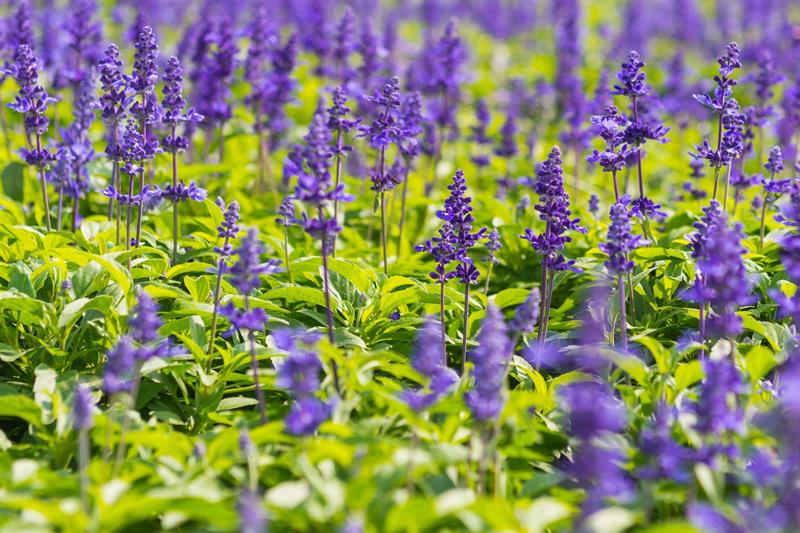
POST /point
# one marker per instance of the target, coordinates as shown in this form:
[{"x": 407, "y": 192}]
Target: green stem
[
  {"x": 465, "y": 331},
  {"x": 286, "y": 252},
  {"x": 43, "y": 181}
]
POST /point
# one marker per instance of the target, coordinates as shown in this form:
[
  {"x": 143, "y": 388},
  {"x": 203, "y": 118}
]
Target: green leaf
[
  {"x": 73, "y": 311},
  {"x": 18, "y": 406},
  {"x": 687, "y": 374},
  {"x": 21, "y": 281},
  {"x": 759, "y": 362},
  {"x": 236, "y": 402},
  {"x": 297, "y": 294},
  {"x": 13, "y": 179}
]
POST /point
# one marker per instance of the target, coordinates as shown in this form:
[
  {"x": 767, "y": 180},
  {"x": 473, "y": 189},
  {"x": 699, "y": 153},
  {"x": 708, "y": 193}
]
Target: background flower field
[{"x": 399, "y": 266}]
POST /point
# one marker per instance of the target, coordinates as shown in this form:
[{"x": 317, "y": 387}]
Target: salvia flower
[
  {"x": 384, "y": 130},
  {"x": 449, "y": 57},
  {"x": 507, "y": 145},
  {"x": 245, "y": 273},
  {"x": 345, "y": 45},
  {"x": 493, "y": 244},
  {"x": 143, "y": 326},
  {"x": 594, "y": 204},
  {"x": 286, "y": 213},
  {"x": 612, "y": 127},
  {"x": 621, "y": 240},
  {"x": 301, "y": 374},
  {"x": 215, "y": 74},
  {"x": 228, "y": 229},
  {"x": 457, "y": 213},
  {"x": 182, "y": 192},
  {"x": 717, "y": 410},
  {"x": 719, "y": 260},
  {"x": 665, "y": 458},
  {"x": 172, "y": 105},
  {"x": 115, "y": 99},
  {"x": 82, "y": 408},
  {"x": 278, "y": 86},
  {"x": 764, "y": 80},
  {"x": 410, "y": 120},
  {"x": 369, "y": 48},
  {"x": 32, "y": 99},
  {"x": 429, "y": 360},
  {"x": 491, "y": 359},
  {"x": 482, "y": 118},
  {"x": 723, "y": 104},
  {"x": 144, "y": 77},
  {"x": 83, "y": 37},
  {"x": 19, "y": 28},
  {"x": 119, "y": 368},
  {"x": 527, "y": 314},
  {"x": 597, "y": 467},
  {"x": 252, "y": 518},
  {"x": 553, "y": 208},
  {"x": 631, "y": 78}
]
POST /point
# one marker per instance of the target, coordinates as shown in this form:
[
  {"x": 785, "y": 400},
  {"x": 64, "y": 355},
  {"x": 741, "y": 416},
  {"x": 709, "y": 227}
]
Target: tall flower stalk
[
  {"x": 383, "y": 132},
  {"x": 286, "y": 219},
  {"x": 718, "y": 251},
  {"x": 621, "y": 241},
  {"x": 32, "y": 101},
  {"x": 145, "y": 109},
  {"x": 245, "y": 276},
  {"x": 172, "y": 115},
  {"x": 410, "y": 119},
  {"x": 553, "y": 208},
  {"x": 311, "y": 166},
  {"x": 729, "y": 139},
  {"x": 122, "y": 372},
  {"x": 215, "y": 75},
  {"x": 300, "y": 372},
  {"x": 612, "y": 125},
  {"x": 760, "y": 114},
  {"x": 77, "y": 149},
  {"x": 340, "y": 125},
  {"x": 269, "y": 96},
  {"x": 226, "y": 231},
  {"x": 772, "y": 188},
  {"x": 114, "y": 103},
  {"x": 632, "y": 85},
  {"x": 493, "y": 244},
  {"x": 453, "y": 243},
  {"x": 487, "y": 395}
]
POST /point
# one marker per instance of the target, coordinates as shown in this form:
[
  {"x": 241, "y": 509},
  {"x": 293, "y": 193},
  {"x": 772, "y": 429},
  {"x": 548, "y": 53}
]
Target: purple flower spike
[
  {"x": 82, "y": 408},
  {"x": 246, "y": 272},
  {"x": 553, "y": 208},
  {"x": 300, "y": 373},
  {"x": 118, "y": 371},
  {"x": 493, "y": 244},
  {"x": 718, "y": 251},
  {"x": 32, "y": 99},
  {"x": 252, "y": 518},
  {"x": 428, "y": 359},
  {"x": 631, "y": 78},
  {"x": 621, "y": 240},
  {"x": 527, "y": 314},
  {"x": 491, "y": 359},
  {"x": 172, "y": 105}
]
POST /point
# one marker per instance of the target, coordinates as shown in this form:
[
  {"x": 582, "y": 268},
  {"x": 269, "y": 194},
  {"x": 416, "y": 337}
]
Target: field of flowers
[{"x": 414, "y": 265}]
